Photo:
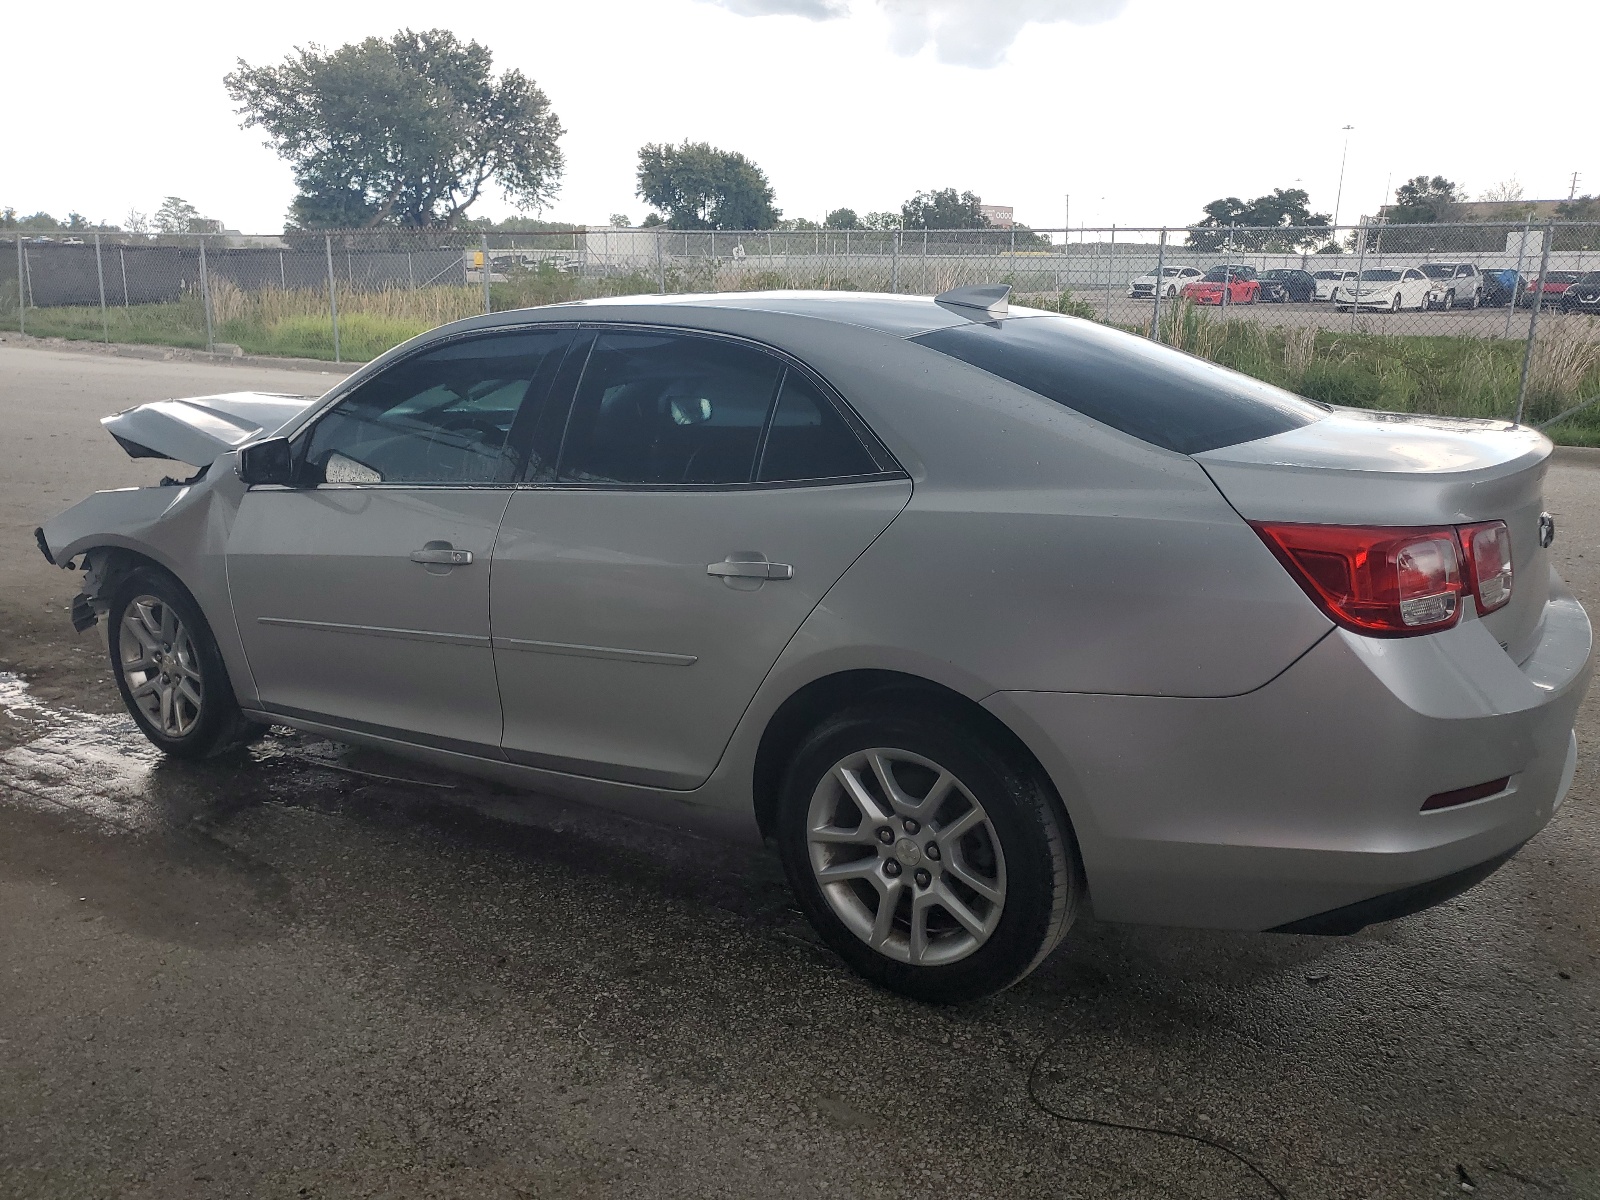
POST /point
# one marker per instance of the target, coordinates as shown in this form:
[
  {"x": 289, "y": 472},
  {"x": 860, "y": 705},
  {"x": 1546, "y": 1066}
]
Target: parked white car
[
  {"x": 1172, "y": 282},
  {"x": 1453, "y": 284},
  {"x": 1328, "y": 280},
  {"x": 1384, "y": 287}
]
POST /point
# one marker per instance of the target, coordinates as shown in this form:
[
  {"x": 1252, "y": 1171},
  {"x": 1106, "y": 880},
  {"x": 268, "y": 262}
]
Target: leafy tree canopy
[
  {"x": 841, "y": 218},
  {"x": 177, "y": 215},
  {"x": 698, "y": 186},
  {"x": 881, "y": 220},
  {"x": 1279, "y": 210},
  {"x": 1424, "y": 201},
  {"x": 943, "y": 209},
  {"x": 407, "y": 130},
  {"x": 43, "y": 222}
]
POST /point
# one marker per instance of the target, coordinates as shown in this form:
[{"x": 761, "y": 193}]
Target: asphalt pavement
[{"x": 314, "y": 971}]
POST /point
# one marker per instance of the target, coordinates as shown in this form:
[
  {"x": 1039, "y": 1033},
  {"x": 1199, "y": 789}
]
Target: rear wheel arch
[{"x": 822, "y": 698}]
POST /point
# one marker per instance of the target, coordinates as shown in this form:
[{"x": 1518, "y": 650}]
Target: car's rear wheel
[
  {"x": 169, "y": 670},
  {"x": 925, "y": 852}
]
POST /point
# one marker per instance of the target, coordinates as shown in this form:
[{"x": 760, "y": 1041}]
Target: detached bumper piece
[
  {"x": 83, "y": 614},
  {"x": 1353, "y": 918}
]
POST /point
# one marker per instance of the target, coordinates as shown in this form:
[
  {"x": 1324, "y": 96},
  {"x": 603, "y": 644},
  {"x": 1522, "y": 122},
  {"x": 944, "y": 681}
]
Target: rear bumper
[{"x": 1303, "y": 798}]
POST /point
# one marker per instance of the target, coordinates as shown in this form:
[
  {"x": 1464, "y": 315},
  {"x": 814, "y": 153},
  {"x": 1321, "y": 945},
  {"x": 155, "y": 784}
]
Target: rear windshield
[{"x": 1154, "y": 393}]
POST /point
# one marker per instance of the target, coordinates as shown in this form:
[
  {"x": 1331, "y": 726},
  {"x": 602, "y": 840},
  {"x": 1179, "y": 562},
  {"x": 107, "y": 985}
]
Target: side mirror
[{"x": 271, "y": 461}]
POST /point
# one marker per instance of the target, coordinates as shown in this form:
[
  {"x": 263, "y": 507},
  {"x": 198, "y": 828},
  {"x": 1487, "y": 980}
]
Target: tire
[
  {"x": 1449, "y": 300},
  {"x": 1019, "y": 848},
  {"x": 169, "y": 670},
  {"x": 1394, "y": 303},
  {"x": 1172, "y": 293},
  {"x": 1477, "y": 299}
]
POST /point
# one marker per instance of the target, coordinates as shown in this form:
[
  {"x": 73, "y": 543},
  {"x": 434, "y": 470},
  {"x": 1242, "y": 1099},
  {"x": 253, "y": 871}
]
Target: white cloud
[
  {"x": 812, "y": 10},
  {"x": 967, "y": 33},
  {"x": 977, "y": 33}
]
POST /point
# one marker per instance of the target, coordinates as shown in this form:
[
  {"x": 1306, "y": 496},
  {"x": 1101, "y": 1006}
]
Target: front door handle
[
  {"x": 750, "y": 566},
  {"x": 442, "y": 556}
]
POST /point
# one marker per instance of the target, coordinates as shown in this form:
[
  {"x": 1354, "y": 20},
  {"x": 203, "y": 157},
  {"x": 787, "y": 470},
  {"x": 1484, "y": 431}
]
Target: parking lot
[
  {"x": 1459, "y": 322},
  {"x": 314, "y": 971}
]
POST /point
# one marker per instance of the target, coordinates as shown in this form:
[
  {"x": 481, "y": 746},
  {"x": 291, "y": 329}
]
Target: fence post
[
  {"x": 1522, "y": 249},
  {"x": 894, "y": 268},
  {"x": 333, "y": 298},
  {"x": 283, "y": 276},
  {"x": 1111, "y": 262},
  {"x": 100, "y": 274},
  {"x": 122, "y": 257},
  {"x": 1533, "y": 321},
  {"x": 661, "y": 265},
  {"x": 488, "y": 307},
  {"x": 205, "y": 294},
  {"x": 1161, "y": 262},
  {"x": 1361, "y": 265},
  {"x": 22, "y": 290}
]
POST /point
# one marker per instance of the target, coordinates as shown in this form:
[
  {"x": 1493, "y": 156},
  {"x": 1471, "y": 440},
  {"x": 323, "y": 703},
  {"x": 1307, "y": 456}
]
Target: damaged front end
[{"x": 180, "y": 525}]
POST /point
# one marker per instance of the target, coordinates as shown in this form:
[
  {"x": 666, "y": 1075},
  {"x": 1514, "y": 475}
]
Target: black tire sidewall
[
  {"x": 1017, "y": 809},
  {"x": 218, "y": 708}
]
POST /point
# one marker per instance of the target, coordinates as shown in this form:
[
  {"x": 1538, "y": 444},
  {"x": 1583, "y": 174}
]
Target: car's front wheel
[
  {"x": 169, "y": 670},
  {"x": 925, "y": 851}
]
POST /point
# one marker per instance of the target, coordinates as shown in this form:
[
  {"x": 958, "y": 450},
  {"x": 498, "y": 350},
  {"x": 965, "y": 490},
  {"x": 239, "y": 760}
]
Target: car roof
[{"x": 885, "y": 312}]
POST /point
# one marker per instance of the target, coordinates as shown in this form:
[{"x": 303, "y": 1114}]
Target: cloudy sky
[{"x": 1140, "y": 110}]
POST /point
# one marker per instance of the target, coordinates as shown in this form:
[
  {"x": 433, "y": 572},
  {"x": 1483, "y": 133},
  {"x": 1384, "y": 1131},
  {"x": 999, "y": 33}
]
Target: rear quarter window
[{"x": 1154, "y": 393}]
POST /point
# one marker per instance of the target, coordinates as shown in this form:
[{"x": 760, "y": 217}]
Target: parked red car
[
  {"x": 1549, "y": 294},
  {"x": 1241, "y": 282}
]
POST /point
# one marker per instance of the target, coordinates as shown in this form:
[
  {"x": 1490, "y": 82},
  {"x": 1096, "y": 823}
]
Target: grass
[{"x": 1448, "y": 376}]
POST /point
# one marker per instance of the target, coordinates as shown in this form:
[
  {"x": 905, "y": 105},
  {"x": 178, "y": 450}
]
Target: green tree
[
  {"x": 881, "y": 220},
  {"x": 698, "y": 186},
  {"x": 1424, "y": 201},
  {"x": 408, "y": 130},
  {"x": 621, "y": 221},
  {"x": 1279, "y": 220},
  {"x": 841, "y": 218},
  {"x": 943, "y": 209},
  {"x": 177, "y": 215}
]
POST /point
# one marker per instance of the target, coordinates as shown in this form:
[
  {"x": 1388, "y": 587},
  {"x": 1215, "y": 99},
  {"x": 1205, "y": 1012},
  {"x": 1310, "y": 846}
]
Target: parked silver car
[{"x": 985, "y": 616}]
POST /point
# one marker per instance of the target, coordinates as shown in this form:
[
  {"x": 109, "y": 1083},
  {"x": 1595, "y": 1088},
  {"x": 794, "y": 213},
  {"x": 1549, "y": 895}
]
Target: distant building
[{"x": 998, "y": 215}]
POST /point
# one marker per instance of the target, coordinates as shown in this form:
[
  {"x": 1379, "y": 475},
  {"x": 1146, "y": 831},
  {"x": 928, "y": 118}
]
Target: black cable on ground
[{"x": 1098, "y": 1123}]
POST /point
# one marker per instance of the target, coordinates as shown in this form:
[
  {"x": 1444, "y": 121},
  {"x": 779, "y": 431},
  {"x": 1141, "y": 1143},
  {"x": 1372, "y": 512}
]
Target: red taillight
[
  {"x": 1377, "y": 580},
  {"x": 1487, "y": 554}
]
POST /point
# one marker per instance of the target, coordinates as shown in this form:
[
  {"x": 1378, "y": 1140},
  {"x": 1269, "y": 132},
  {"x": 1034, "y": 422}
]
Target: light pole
[{"x": 1338, "y": 196}]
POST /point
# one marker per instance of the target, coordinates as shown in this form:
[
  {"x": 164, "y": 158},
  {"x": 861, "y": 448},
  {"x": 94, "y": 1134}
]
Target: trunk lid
[
  {"x": 1368, "y": 468},
  {"x": 197, "y": 429}
]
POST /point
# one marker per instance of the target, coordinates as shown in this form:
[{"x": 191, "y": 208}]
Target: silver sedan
[{"x": 983, "y": 616}]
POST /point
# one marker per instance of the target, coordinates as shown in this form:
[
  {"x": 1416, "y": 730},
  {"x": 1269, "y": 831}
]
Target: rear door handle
[
  {"x": 442, "y": 556},
  {"x": 750, "y": 568}
]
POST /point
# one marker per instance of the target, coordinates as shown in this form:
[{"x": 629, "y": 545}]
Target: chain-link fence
[{"x": 1475, "y": 319}]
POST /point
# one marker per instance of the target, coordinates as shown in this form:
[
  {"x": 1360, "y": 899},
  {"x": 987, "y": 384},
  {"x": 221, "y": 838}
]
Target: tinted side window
[
  {"x": 444, "y": 416},
  {"x": 666, "y": 408},
  {"x": 1160, "y": 395},
  {"x": 808, "y": 439}
]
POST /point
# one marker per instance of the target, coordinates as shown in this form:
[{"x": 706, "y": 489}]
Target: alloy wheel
[
  {"x": 161, "y": 666},
  {"x": 906, "y": 856}
]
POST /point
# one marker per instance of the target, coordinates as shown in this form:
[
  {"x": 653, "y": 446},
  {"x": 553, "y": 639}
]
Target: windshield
[
  {"x": 1142, "y": 388},
  {"x": 1330, "y": 275},
  {"x": 1438, "y": 270},
  {"x": 1217, "y": 274},
  {"x": 1592, "y": 279},
  {"x": 1379, "y": 276},
  {"x": 1280, "y": 273},
  {"x": 1561, "y": 277}
]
